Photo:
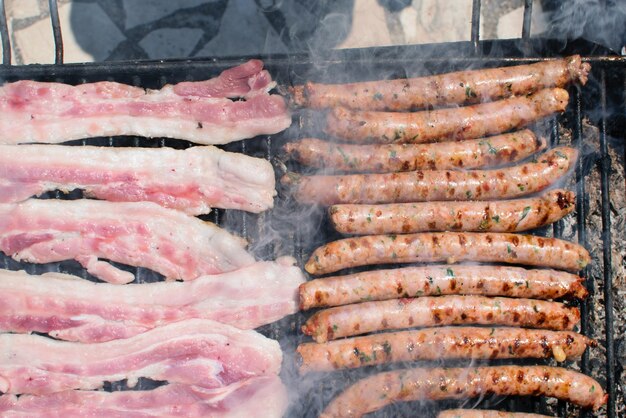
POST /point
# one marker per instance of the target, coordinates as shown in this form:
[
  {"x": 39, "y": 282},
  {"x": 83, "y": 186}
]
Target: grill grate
[{"x": 600, "y": 105}]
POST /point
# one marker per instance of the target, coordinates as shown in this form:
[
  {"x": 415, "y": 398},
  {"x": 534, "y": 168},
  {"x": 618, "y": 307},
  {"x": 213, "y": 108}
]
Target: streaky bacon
[
  {"x": 197, "y": 352},
  {"x": 191, "y": 180},
  {"x": 141, "y": 234},
  {"x": 201, "y": 112},
  {"x": 247, "y": 398},
  {"x": 73, "y": 309}
]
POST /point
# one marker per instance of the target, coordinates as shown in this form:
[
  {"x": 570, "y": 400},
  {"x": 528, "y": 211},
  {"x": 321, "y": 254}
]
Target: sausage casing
[
  {"x": 467, "y": 122},
  {"x": 434, "y": 185},
  {"x": 386, "y": 158},
  {"x": 450, "y": 247},
  {"x": 439, "y": 344},
  {"x": 428, "y": 311},
  {"x": 492, "y": 216},
  {"x": 436, "y": 280},
  {"x": 377, "y": 391},
  {"x": 461, "y": 87}
]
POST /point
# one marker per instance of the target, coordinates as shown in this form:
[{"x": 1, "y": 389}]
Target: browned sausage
[
  {"x": 382, "y": 389},
  {"x": 429, "y": 311},
  {"x": 468, "y": 122},
  {"x": 450, "y": 247},
  {"x": 445, "y": 89},
  {"x": 481, "y": 413},
  {"x": 440, "y": 280},
  {"x": 439, "y": 344},
  {"x": 475, "y": 153},
  {"x": 431, "y": 185},
  {"x": 493, "y": 216}
]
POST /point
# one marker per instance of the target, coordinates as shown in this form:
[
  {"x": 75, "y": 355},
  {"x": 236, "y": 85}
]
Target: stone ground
[{"x": 99, "y": 30}]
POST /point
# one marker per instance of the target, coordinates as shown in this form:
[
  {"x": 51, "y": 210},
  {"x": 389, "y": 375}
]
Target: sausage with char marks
[
  {"x": 362, "y": 318},
  {"x": 439, "y": 344},
  {"x": 375, "y": 392},
  {"x": 450, "y": 247},
  {"x": 473, "y": 86}
]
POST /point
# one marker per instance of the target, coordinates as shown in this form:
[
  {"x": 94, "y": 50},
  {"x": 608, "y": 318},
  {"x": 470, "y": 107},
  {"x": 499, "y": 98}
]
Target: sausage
[
  {"x": 450, "y": 247},
  {"x": 432, "y": 185},
  {"x": 474, "y": 153},
  {"x": 494, "y": 216},
  {"x": 481, "y": 413},
  {"x": 441, "y": 344},
  {"x": 377, "y": 391},
  {"x": 440, "y": 280},
  {"x": 445, "y": 89},
  {"x": 428, "y": 311},
  {"x": 468, "y": 122}
]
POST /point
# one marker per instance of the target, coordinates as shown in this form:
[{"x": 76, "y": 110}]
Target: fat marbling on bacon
[
  {"x": 241, "y": 399},
  {"x": 138, "y": 234},
  {"x": 73, "y": 309},
  {"x": 201, "y": 112},
  {"x": 196, "y": 352},
  {"x": 191, "y": 180}
]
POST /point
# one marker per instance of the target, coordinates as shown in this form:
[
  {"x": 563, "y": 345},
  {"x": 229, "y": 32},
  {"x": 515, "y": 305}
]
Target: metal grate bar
[
  {"x": 56, "y": 31},
  {"x": 581, "y": 218},
  {"x": 4, "y": 33},
  {"x": 475, "y": 34},
  {"x": 528, "y": 11},
  {"x": 605, "y": 170}
]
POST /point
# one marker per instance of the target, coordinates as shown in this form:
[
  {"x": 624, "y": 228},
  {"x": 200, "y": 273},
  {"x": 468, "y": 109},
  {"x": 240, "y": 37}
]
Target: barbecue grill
[{"x": 594, "y": 123}]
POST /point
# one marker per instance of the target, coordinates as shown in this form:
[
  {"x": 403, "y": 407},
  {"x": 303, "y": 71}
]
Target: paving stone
[
  {"x": 369, "y": 26},
  {"x": 22, "y": 9},
  {"x": 510, "y": 24},
  {"x": 143, "y": 11},
  {"x": 170, "y": 43},
  {"x": 98, "y": 43}
]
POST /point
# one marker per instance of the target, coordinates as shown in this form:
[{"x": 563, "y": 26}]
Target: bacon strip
[
  {"x": 480, "y": 413},
  {"x": 200, "y": 112},
  {"x": 377, "y": 391},
  {"x": 138, "y": 234},
  {"x": 237, "y": 400},
  {"x": 191, "y": 180},
  {"x": 441, "y": 344},
  {"x": 196, "y": 352},
  {"x": 69, "y": 308}
]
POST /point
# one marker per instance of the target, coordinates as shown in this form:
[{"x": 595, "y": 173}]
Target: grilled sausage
[
  {"x": 440, "y": 280},
  {"x": 450, "y": 247},
  {"x": 468, "y": 122},
  {"x": 377, "y": 391},
  {"x": 361, "y": 318},
  {"x": 481, "y": 413},
  {"x": 475, "y": 153},
  {"x": 431, "y": 185},
  {"x": 494, "y": 216},
  {"x": 445, "y": 89},
  {"x": 441, "y": 343}
]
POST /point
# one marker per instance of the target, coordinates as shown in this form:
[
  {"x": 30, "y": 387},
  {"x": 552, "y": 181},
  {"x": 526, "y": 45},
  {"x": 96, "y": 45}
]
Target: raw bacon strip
[
  {"x": 191, "y": 180},
  {"x": 69, "y": 308},
  {"x": 479, "y": 413},
  {"x": 241, "y": 399},
  {"x": 138, "y": 234},
  {"x": 196, "y": 352},
  {"x": 377, "y": 391},
  {"x": 200, "y": 112}
]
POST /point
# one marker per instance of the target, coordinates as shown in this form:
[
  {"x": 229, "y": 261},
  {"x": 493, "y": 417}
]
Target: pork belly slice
[
  {"x": 191, "y": 180},
  {"x": 196, "y": 352},
  {"x": 243, "y": 399},
  {"x": 141, "y": 234},
  {"x": 73, "y": 309},
  {"x": 201, "y": 112}
]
